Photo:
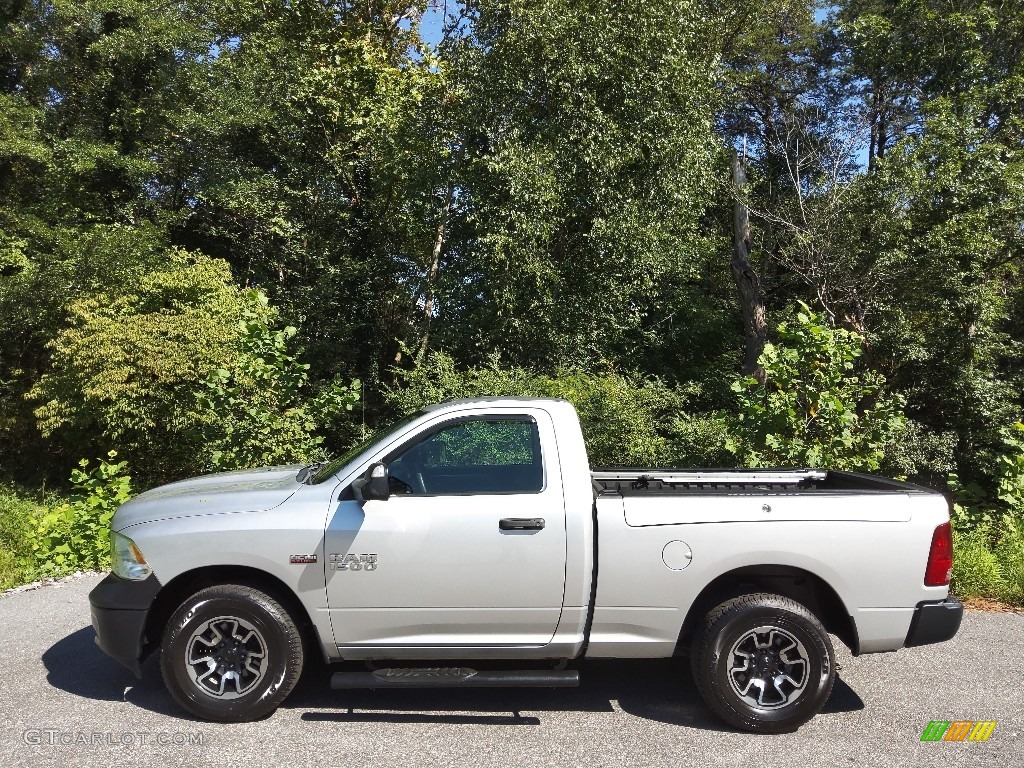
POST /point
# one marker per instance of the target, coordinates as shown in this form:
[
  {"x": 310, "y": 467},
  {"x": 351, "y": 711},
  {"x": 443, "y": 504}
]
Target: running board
[{"x": 456, "y": 677}]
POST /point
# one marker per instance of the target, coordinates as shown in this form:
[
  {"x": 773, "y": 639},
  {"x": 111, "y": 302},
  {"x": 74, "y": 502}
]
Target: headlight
[{"x": 126, "y": 558}]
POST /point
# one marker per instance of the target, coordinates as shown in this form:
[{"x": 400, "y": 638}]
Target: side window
[{"x": 473, "y": 457}]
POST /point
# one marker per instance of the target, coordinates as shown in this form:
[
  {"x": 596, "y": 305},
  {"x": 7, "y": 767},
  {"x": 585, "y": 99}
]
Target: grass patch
[
  {"x": 988, "y": 561},
  {"x": 1010, "y": 554},
  {"x": 19, "y": 516},
  {"x": 976, "y": 571}
]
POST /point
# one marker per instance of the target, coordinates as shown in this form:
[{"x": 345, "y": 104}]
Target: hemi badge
[{"x": 301, "y": 559}]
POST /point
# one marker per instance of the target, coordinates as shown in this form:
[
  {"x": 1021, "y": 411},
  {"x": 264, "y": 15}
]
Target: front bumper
[
  {"x": 935, "y": 622},
  {"x": 119, "y": 611}
]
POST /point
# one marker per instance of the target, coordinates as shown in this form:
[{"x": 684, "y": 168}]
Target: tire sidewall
[
  {"x": 193, "y": 614},
  {"x": 821, "y": 668}
]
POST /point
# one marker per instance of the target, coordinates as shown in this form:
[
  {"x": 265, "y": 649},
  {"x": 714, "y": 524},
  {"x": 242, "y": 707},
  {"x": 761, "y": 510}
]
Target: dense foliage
[
  {"x": 239, "y": 233},
  {"x": 626, "y": 419},
  {"x": 258, "y": 409}
]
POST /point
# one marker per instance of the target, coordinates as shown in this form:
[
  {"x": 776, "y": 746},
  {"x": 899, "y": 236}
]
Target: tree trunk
[
  {"x": 433, "y": 269},
  {"x": 755, "y": 329}
]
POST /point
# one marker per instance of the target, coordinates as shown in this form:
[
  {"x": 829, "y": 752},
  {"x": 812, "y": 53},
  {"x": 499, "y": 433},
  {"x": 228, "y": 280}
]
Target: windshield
[{"x": 334, "y": 466}]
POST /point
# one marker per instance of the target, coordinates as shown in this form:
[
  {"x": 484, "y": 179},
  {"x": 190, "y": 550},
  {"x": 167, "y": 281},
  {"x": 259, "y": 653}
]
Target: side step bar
[{"x": 456, "y": 677}]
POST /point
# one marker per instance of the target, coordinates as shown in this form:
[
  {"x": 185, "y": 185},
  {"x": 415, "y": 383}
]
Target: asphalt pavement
[{"x": 62, "y": 702}]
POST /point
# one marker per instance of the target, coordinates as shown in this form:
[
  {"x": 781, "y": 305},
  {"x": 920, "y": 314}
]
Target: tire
[
  {"x": 231, "y": 653},
  {"x": 763, "y": 663}
]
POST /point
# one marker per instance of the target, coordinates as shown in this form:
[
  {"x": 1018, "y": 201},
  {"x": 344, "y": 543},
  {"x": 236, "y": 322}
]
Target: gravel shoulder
[{"x": 66, "y": 703}]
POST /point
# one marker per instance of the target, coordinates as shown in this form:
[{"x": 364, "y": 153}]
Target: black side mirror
[{"x": 374, "y": 485}]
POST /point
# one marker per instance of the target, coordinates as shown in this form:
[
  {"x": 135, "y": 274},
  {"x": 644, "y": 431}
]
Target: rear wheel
[
  {"x": 763, "y": 663},
  {"x": 231, "y": 653}
]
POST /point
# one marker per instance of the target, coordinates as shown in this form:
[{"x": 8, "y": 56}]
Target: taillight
[{"x": 940, "y": 558}]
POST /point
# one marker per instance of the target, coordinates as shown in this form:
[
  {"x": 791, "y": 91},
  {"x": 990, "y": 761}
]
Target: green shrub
[
  {"x": 919, "y": 453},
  {"x": 260, "y": 408},
  {"x": 185, "y": 372},
  {"x": 76, "y": 535},
  {"x": 125, "y": 364},
  {"x": 976, "y": 568},
  {"x": 976, "y": 506},
  {"x": 1010, "y": 470},
  {"x": 988, "y": 558},
  {"x": 814, "y": 407},
  {"x": 18, "y": 516},
  {"x": 1009, "y": 552},
  {"x": 989, "y": 525},
  {"x": 626, "y": 419},
  {"x": 701, "y": 440}
]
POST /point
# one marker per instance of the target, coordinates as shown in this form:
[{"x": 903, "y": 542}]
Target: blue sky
[{"x": 431, "y": 24}]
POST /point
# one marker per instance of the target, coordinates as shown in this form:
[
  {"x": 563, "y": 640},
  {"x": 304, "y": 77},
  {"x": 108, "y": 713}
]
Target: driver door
[{"x": 469, "y": 549}]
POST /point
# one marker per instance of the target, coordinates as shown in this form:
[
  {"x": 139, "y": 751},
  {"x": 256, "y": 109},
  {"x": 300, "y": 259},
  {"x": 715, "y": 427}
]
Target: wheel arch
[
  {"x": 803, "y": 586},
  {"x": 189, "y": 582}
]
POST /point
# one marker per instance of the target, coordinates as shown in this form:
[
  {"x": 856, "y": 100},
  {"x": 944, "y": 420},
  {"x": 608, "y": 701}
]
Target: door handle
[{"x": 521, "y": 523}]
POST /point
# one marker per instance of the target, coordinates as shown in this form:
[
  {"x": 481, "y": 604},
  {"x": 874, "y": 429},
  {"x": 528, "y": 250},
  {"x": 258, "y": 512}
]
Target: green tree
[
  {"x": 886, "y": 168},
  {"x": 85, "y": 91},
  {"x": 587, "y": 161},
  {"x": 307, "y": 165}
]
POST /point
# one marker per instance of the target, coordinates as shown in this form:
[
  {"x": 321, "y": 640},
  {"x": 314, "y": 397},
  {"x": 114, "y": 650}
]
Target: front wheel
[
  {"x": 231, "y": 653},
  {"x": 763, "y": 663}
]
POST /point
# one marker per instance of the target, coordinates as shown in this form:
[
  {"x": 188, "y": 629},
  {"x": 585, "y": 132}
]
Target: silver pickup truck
[{"x": 475, "y": 532}]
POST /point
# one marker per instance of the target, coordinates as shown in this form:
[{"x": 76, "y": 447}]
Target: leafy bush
[
  {"x": 702, "y": 440},
  {"x": 976, "y": 570},
  {"x": 989, "y": 560},
  {"x": 257, "y": 407},
  {"x": 1009, "y": 552},
  {"x": 75, "y": 535},
  {"x": 814, "y": 408},
  {"x": 1010, "y": 470},
  {"x": 919, "y": 453},
  {"x": 123, "y": 368},
  {"x": 184, "y": 372},
  {"x": 627, "y": 419},
  {"x": 18, "y": 516},
  {"x": 989, "y": 526},
  {"x": 976, "y": 506}
]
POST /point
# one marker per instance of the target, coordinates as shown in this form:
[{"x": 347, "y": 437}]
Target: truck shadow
[
  {"x": 74, "y": 664},
  {"x": 661, "y": 690},
  {"x": 656, "y": 690}
]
